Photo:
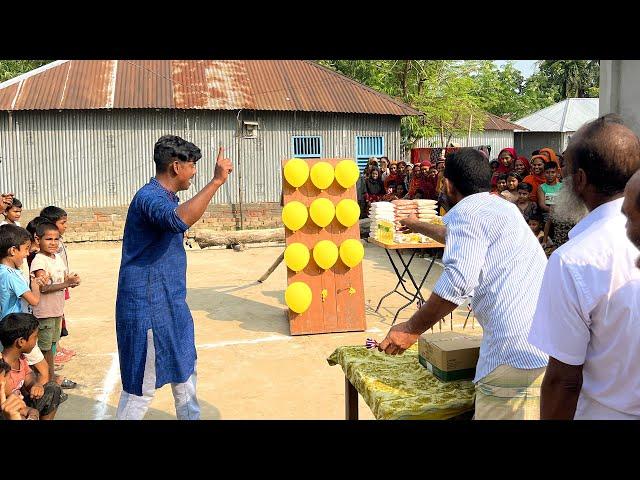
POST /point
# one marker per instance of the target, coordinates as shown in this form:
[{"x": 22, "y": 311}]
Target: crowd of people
[
  {"x": 34, "y": 285},
  {"x": 560, "y": 335},
  {"x": 532, "y": 185}
]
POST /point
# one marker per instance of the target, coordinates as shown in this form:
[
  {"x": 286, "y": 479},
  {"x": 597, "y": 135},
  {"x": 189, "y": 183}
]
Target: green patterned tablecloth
[{"x": 399, "y": 388}]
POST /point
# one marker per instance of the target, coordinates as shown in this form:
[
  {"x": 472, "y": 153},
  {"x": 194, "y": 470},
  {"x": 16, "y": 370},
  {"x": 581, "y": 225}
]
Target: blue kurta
[{"x": 152, "y": 291}]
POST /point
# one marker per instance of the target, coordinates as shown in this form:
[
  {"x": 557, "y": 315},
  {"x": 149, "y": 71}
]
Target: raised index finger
[
  {"x": 3, "y": 396},
  {"x": 220, "y": 153}
]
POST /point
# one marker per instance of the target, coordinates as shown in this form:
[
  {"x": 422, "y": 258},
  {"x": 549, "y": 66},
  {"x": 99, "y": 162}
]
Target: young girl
[
  {"x": 511, "y": 192},
  {"x": 526, "y": 206},
  {"x": 501, "y": 183}
]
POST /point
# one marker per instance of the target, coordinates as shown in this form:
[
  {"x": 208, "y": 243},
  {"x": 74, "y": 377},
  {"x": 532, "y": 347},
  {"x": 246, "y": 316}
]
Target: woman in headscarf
[
  {"x": 536, "y": 178},
  {"x": 506, "y": 157},
  {"x": 393, "y": 176},
  {"x": 521, "y": 166},
  {"x": 550, "y": 154}
]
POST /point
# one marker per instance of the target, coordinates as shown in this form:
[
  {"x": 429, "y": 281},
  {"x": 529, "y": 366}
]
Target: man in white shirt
[
  {"x": 587, "y": 318},
  {"x": 480, "y": 258}
]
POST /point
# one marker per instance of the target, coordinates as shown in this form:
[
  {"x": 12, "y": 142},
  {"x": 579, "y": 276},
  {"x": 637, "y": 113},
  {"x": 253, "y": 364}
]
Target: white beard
[{"x": 569, "y": 207}]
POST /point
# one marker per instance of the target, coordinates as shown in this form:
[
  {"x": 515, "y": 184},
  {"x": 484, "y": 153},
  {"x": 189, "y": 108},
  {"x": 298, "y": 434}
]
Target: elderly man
[
  {"x": 585, "y": 319},
  {"x": 480, "y": 257}
]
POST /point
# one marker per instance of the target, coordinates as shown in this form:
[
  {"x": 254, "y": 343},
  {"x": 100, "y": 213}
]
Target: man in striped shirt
[{"x": 491, "y": 254}]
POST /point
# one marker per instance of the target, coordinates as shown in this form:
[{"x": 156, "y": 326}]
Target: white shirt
[
  {"x": 491, "y": 252},
  {"x": 4, "y": 222},
  {"x": 588, "y": 313}
]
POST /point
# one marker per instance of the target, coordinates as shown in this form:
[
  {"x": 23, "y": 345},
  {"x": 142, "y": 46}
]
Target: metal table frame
[{"x": 408, "y": 295}]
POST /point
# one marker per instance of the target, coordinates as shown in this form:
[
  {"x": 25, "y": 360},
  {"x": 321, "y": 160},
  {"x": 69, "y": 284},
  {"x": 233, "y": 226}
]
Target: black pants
[{"x": 48, "y": 402}]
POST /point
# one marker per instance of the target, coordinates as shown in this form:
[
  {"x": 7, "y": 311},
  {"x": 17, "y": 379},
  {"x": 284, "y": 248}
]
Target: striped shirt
[{"x": 492, "y": 254}]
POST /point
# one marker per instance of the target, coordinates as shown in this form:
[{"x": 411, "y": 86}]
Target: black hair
[
  {"x": 31, "y": 226},
  {"x": 502, "y": 176},
  {"x": 536, "y": 217},
  {"x": 468, "y": 170},
  {"x": 535, "y": 152},
  {"x": 15, "y": 204},
  {"x": 44, "y": 227},
  {"x": 400, "y": 184},
  {"x": 494, "y": 162},
  {"x": 525, "y": 186},
  {"x": 550, "y": 165},
  {"x": 515, "y": 175},
  {"x": 12, "y": 236},
  {"x": 15, "y": 326},
  {"x": 169, "y": 148},
  {"x": 607, "y": 151},
  {"x": 53, "y": 214},
  {"x": 4, "y": 366}
]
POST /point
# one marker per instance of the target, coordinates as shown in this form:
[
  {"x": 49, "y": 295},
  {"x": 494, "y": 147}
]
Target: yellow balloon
[
  {"x": 351, "y": 252},
  {"x": 347, "y": 212},
  {"x": 325, "y": 253},
  {"x": 322, "y": 211},
  {"x": 296, "y": 256},
  {"x": 294, "y": 215},
  {"x": 322, "y": 175},
  {"x": 296, "y": 172},
  {"x": 347, "y": 173},
  {"x": 298, "y": 297}
]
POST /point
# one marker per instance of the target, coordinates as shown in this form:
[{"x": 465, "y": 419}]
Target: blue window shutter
[
  {"x": 367, "y": 147},
  {"x": 306, "y": 147}
]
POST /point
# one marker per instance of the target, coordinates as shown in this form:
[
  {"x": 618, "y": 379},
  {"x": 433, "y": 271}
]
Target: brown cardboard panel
[{"x": 341, "y": 311}]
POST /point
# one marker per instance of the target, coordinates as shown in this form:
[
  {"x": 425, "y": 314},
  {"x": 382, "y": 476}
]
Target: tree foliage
[{"x": 12, "y": 68}]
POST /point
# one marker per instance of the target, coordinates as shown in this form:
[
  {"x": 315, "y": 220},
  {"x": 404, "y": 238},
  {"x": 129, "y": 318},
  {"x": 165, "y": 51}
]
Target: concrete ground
[{"x": 249, "y": 367}]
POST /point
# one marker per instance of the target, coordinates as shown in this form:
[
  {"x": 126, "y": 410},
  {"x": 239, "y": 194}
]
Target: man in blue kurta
[{"x": 154, "y": 326}]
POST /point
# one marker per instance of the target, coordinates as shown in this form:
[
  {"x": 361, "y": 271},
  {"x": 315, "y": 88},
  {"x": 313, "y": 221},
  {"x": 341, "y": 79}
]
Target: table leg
[
  {"x": 400, "y": 280},
  {"x": 350, "y": 400},
  {"x": 418, "y": 293}
]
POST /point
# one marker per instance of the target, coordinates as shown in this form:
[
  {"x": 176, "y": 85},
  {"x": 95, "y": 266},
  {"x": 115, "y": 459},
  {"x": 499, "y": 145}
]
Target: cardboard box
[{"x": 449, "y": 355}]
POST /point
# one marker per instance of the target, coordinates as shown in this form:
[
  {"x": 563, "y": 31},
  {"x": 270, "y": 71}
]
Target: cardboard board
[
  {"x": 449, "y": 355},
  {"x": 343, "y": 309}
]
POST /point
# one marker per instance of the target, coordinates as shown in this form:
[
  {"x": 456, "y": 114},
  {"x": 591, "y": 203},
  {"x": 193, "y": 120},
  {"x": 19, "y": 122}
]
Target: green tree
[
  {"x": 12, "y": 68},
  {"x": 569, "y": 78}
]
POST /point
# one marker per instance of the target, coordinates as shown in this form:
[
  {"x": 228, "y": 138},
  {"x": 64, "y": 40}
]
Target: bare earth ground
[{"x": 249, "y": 367}]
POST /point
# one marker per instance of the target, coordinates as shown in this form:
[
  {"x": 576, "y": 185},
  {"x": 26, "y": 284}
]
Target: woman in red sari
[{"x": 506, "y": 158}]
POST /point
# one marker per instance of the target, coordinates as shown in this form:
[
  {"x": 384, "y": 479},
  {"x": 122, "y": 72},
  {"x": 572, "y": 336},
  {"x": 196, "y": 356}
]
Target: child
[
  {"x": 19, "y": 335},
  {"x": 526, "y": 206},
  {"x": 400, "y": 190},
  {"x": 535, "y": 224},
  {"x": 50, "y": 309},
  {"x": 59, "y": 217},
  {"x": 511, "y": 192},
  {"x": 15, "y": 295},
  {"x": 13, "y": 405},
  {"x": 13, "y": 213},
  {"x": 548, "y": 191},
  {"x": 501, "y": 183}
]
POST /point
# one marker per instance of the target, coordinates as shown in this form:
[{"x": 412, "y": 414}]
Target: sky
[{"x": 527, "y": 67}]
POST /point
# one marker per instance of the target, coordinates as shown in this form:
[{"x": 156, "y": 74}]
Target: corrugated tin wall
[
  {"x": 498, "y": 139},
  {"x": 79, "y": 159},
  {"x": 527, "y": 142}
]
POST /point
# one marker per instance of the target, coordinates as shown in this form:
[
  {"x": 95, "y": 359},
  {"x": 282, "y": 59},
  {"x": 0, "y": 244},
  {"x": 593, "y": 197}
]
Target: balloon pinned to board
[
  {"x": 294, "y": 215},
  {"x": 296, "y": 256},
  {"x": 298, "y": 297},
  {"x": 351, "y": 252},
  {"x": 296, "y": 172},
  {"x": 322, "y": 212},
  {"x": 347, "y": 173},
  {"x": 325, "y": 254},
  {"x": 347, "y": 212},
  {"x": 322, "y": 175}
]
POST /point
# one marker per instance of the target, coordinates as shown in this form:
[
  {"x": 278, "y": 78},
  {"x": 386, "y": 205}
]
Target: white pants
[{"x": 134, "y": 407}]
